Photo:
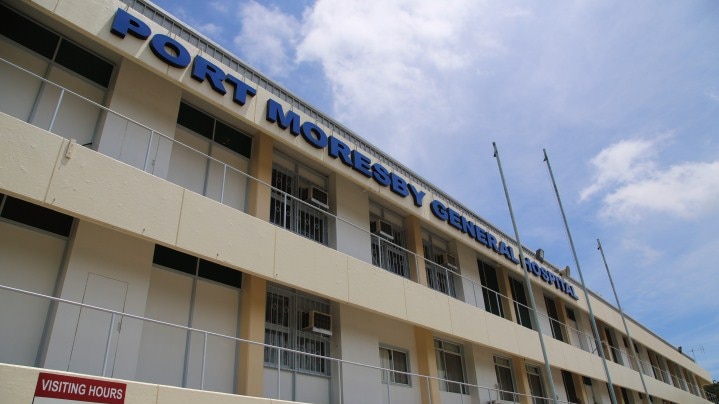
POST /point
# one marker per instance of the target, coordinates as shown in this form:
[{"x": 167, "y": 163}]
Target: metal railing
[
  {"x": 150, "y": 151},
  {"x": 109, "y": 334}
]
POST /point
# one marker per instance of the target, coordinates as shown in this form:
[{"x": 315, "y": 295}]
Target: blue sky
[{"x": 623, "y": 95}]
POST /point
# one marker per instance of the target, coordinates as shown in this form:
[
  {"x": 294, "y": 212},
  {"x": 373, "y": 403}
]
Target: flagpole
[
  {"x": 584, "y": 287},
  {"x": 527, "y": 283},
  {"x": 621, "y": 312}
]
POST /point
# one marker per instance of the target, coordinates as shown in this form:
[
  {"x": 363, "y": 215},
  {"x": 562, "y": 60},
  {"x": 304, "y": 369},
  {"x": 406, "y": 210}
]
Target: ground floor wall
[{"x": 19, "y": 382}]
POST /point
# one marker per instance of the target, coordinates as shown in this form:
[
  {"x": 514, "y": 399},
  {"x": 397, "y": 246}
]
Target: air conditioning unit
[
  {"x": 382, "y": 228},
  {"x": 318, "y": 322},
  {"x": 318, "y": 197},
  {"x": 447, "y": 260}
]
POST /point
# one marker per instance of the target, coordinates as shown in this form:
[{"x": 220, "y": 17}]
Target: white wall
[
  {"x": 352, "y": 204},
  {"x": 107, "y": 269},
  {"x": 149, "y": 100},
  {"x": 359, "y": 340},
  {"x": 30, "y": 260}
]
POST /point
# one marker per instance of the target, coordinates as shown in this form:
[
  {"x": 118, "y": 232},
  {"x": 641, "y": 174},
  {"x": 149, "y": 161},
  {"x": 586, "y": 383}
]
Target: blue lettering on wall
[
  {"x": 174, "y": 54},
  {"x": 125, "y": 23},
  {"x": 336, "y": 148},
  {"x": 314, "y": 135},
  {"x": 550, "y": 277}
]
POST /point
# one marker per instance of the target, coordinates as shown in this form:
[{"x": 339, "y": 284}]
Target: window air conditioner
[
  {"x": 382, "y": 228},
  {"x": 318, "y": 197},
  {"x": 318, "y": 322},
  {"x": 447, "y": 260}
]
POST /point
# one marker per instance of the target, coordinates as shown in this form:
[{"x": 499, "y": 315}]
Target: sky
[{"x": 624, "y": 97}]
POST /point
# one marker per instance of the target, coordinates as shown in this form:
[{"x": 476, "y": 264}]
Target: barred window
[
  {"x": 299, "y": 199},
  {"x": 286, "y": 314},
  {"x": 388, "y": 241}
]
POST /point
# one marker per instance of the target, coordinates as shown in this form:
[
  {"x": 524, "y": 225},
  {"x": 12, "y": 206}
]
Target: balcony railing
[
  {"x": 106, "y": 334},
  {"x": 145, "y": 149}
]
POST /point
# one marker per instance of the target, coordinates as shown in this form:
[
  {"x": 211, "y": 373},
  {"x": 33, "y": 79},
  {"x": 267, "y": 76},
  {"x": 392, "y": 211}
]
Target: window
[
  {"x": 196, "y": 293},
  {"x": 490, "y": 289},
  {"x": 536, "y": 387},
  {"x": 220, "y": 177},
  {"x": 284, "y": 312},
  {"x": 299, "y": 199},
  {"x": 442, "y": 274},
  {"x": 556, "y": 325},
  {"x": 568, "y": 380},
  {"x": 192, "y": 265},
  {"x": 505, "y": 379},
  {"x": 35, "y": 216},
  {"x": 51, "y": 56},
  {"x": 52, "y": 46},
  {"x": 213, "y": 129},
  {"x": 396, "y": 362},
  {"x": 388, "y": 241},
  {"x": 520, "y": 303},
  {"x": 612, "y": 346},
  {"x": 450, "y": 365}
]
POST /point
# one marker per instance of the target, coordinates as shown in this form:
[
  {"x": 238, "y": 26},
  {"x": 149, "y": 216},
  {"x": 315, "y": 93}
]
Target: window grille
[
  {"x": 293, "y": 213},
  {"x": 283, "y": 328},
  {"x": 440, "y": 278},
  {"x": 390, "y": 254}
]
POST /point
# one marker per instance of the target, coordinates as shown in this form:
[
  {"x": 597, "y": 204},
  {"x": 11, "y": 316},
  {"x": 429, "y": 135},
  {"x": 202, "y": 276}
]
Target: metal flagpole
[
  {"x": 584, "y": 287},
  {"x": 621, "y": 312},
  {"x": 527, "y": 283}
]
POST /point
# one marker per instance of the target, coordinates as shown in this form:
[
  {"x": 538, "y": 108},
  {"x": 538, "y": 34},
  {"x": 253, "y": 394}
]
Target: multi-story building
[{"x": 178, "y": 226}]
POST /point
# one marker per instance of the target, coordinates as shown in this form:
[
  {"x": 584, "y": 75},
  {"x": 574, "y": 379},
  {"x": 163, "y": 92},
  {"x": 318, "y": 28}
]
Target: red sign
[{"x": 79, "y": 389}]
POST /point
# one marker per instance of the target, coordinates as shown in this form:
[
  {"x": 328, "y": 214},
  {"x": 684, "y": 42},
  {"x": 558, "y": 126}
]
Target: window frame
[
  {"x": 390, "y": 376},
  {"x": 293, "y": 337},
  {"x": 447, "y": 384},
  {"x": 502, "y": 391}
]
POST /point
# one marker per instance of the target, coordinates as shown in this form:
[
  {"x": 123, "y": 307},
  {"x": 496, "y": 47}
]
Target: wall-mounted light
[{"x": 539, "y": 255}]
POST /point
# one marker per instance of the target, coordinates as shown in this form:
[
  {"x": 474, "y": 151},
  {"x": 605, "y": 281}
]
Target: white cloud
[
  {"x": 685, "y": 190},
  {"x": 267, "y": 38},
  {"x": 634, "y": 184},
  {"x": 647, "y": 254},
  {"x": 394, "y": 67},
  {"x": 210, "y": 29},
  {"x": 621, "y": 163}
]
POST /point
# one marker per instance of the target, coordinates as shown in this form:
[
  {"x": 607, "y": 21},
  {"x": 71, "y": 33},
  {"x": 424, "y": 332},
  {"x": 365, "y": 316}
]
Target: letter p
[{"x": 124, "y": 23}]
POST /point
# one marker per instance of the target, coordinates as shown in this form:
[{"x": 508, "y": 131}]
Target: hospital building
[{"x": 175, "y": 227}]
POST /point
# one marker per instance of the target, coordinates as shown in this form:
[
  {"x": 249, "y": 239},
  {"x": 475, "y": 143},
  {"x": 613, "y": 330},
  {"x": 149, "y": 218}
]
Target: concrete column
[
  {"x": 581, "y": 390},
  {"x": 252, "y": 327},
  {"x": 258, "y": 198},
  {"x": 520, "y": 376},
  {"x": 427, "y": 363},
  {"x": 414, "y": 243}
]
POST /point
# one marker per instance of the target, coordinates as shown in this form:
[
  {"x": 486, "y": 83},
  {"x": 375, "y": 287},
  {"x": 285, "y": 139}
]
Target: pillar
[
  {"x": 258, "y": 198},
  {"x": 427, "y": 364},
  {"x": 251, "y": 361},
  {"x": 520, "y": 376},
  {"x": 414, "y": 243}
]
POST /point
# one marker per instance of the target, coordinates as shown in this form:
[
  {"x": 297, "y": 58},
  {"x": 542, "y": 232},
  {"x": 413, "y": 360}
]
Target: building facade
[{"x": 174, "y": 221}]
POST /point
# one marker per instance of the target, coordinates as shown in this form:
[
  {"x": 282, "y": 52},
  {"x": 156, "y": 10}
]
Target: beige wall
[{"x": 19, "y": 388}]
